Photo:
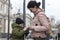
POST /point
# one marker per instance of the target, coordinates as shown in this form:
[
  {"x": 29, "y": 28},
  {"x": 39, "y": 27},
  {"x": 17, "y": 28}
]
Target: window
[
  {"x": 1, "y": 6},
  {"x": 0, "y": 21},
  {"x": 6, "y": 9}
]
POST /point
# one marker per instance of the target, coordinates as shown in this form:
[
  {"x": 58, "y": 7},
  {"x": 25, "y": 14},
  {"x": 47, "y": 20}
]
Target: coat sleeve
[
  {"x": 44, "y": 21},
  {"x": 18, "y": 33},
  {"x": 14, "y": 25}
]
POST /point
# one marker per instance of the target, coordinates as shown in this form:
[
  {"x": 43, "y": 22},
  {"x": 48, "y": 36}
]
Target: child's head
[{"x": 19, "y": 21}]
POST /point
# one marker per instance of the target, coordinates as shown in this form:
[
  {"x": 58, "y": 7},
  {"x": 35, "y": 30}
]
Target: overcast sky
[{"x": 52, "y": 7}]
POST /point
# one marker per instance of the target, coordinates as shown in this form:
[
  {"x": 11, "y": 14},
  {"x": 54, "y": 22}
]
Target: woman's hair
[
  {"x": 32, "y": 4},
  {"x": 19, "y": 21}
]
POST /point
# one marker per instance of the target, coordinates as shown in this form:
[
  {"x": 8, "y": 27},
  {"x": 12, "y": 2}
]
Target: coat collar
[{"x": 39, "y": 10}]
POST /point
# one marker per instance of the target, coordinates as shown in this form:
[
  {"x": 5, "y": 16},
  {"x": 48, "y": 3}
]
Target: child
[{"x": 18, "y": 30}]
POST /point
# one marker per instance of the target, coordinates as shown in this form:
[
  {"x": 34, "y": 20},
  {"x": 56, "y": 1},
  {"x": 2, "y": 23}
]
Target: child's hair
[
  {"x": 19, "y": 21},
  {"x": 32, "y": 4}
]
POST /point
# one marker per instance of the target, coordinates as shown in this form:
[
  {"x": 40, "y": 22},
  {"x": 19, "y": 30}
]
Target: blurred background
[{"x": 11, "y": 9}]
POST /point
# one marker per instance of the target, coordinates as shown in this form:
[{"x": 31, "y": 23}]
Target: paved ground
[
  {"x": 6, "y": 39},
  {"x": 3, "y": 39},
  {"x": 25, "y": 39}
]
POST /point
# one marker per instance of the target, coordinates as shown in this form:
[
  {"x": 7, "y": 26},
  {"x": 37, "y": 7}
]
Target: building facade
[
  {"x": 28, "y": 18},
  {"x": 3, "y": 15}
]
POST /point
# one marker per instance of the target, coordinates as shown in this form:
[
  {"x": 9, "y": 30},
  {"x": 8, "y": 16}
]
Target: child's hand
[{"x": 26, "y": 28}]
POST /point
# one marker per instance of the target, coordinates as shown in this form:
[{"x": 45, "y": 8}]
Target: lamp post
[
  {"x": 43, "y": 4},
  {"x": 24, "y": 15},
  {"x": 8, "y": 18}
]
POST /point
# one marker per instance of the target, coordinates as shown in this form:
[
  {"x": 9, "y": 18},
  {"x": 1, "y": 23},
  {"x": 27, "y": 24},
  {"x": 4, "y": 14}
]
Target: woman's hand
[{"x": 31, "y": 27}]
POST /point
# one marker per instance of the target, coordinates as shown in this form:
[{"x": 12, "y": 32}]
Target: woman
[
  {"x": 40, "y": 24},
  {"x": 18, "y": 30}
]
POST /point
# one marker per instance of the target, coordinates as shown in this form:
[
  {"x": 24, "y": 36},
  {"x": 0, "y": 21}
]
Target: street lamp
[
  {"x": 8, "y": 18},
  {"x": 24, "y": 15},
  {"x": 43, "y": 4}
]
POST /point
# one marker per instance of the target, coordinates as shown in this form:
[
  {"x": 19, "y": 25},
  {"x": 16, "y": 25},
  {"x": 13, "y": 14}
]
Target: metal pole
[
  {"x": 8, "y": 18},
  {"x": 24, "y": 15},
  {"x": 57, "y": 36},
  {"x": 32, "y": 0},
  {"x": 43, "y": 4}
]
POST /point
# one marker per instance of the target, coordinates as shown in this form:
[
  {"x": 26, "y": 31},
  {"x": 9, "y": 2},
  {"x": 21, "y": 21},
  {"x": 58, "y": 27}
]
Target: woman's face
[{"x": 33, "y": 9}]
